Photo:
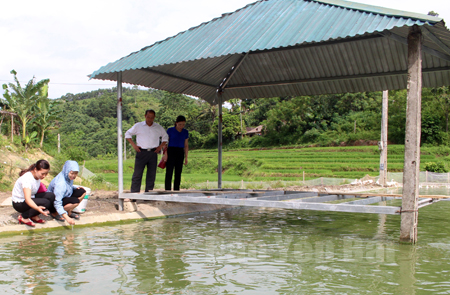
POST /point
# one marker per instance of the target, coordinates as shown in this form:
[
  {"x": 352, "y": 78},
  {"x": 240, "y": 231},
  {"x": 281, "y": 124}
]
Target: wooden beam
[
  {"x": 178, "y": 77},
  {"x": 269, "y": 204},
  {"x": 366, "y": 195},
  {"x": 409, "y": 219},
  {"x": 436, "y": 40},
  {"x": 425, "y": 49},
  {"x": 335, "y": 78}
]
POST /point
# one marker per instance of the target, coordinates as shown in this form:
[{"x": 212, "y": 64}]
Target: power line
[{"x": 77, "y": 84}]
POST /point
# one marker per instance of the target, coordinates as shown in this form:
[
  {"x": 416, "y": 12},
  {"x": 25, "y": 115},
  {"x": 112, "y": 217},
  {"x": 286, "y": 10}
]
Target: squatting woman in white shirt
[{"x": 25, "y": 198}]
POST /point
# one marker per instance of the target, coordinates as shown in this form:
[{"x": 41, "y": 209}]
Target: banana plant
[
  {"x": 23, "y": 100},
  {"x": 46, "y": 116},
  {"x": 29, "y": 138}
]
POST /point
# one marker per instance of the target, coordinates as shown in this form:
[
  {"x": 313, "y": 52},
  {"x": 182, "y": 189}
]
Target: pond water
[{"x": 239, "y": 251}]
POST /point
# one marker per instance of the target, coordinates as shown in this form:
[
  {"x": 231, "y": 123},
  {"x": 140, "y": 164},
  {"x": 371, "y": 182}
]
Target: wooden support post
[
  {"x": 12, "y": 128},
  {"x": 119, "y": 139},
  {"x": 125, "y": 149},
  {"x": 409, "y": 219},
  {"x": 383, "y": 142},
  {"x": 219, "y": 136}
]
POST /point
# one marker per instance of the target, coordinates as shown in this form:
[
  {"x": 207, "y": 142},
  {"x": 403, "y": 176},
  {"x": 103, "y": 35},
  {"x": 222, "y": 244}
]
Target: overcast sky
[{"x": 67, "y": 40}]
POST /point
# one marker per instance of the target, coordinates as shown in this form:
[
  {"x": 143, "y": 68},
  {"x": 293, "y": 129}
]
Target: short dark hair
[
  {"x": 180, "y": 119},
  {"x": 150, "y": 111}
]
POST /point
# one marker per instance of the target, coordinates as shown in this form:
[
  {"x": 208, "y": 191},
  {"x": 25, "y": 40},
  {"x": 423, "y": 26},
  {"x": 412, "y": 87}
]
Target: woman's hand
[
  {"x": 164, "y": 158},
  {"x": 185, "y": 161},
  {"x": 43, "y": 210},
  {"x": 68, "y": 219}
]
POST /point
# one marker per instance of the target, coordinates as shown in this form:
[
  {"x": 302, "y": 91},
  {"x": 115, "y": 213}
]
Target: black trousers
[
  {"x": 42, "y": 199},
  {"x": 175, "y": 159},
  {"x": 74, "y": 198},
  {"x": 143, "y": 159}
]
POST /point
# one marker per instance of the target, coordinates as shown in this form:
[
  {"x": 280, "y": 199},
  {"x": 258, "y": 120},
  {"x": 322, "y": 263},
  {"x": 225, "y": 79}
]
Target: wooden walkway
[{"x": 299, "y": 200}]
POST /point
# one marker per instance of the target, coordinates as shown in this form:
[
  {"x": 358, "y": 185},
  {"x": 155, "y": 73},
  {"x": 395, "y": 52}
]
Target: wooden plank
[
  {"x": 288, "y": 196},
  {"x": 325, "y": 198},
  {"x": 270, "y": 204},
  {"x": 193, "y": 195},
  {"x": 365, "y": 195},
  {"x": 370, "y": 200},
  {"x": 209, "y": 192}
]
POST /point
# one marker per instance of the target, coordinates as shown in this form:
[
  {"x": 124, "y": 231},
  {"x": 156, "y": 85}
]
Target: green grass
[{"x": 285, "y": 164}]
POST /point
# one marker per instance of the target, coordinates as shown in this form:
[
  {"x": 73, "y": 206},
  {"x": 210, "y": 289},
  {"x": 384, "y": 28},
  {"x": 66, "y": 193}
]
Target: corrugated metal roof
[{"x": 296, "y": 47}]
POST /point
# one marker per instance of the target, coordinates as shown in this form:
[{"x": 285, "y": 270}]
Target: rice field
[{"x": 282, "y": 164}]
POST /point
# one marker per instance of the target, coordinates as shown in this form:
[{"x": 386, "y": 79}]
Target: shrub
[
  {"x": 187, "y": 184},
  {"x": 438, "y": 167},
  {"x": 76, "y": 154},
  {"x": 259, "y": 141},
  {"x": 4, "y": 185},
  {"x": 239, "y": 143},
  {"x": 310, "y": 135}
]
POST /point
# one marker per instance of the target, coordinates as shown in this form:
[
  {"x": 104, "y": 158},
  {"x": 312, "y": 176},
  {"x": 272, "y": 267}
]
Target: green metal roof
[{"x": 196, "y": 61}]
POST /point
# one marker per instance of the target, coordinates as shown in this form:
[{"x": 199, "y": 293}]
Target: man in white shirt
[{"x": 147, "y": 147}]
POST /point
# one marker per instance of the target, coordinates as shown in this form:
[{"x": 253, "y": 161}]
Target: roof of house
[{"x": 289, "y": 47}]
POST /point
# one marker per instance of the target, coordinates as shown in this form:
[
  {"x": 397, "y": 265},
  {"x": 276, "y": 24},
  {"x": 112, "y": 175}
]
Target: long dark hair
[
  {"x": 180, "y": 119},
  {"x": 39, "y": 165}
]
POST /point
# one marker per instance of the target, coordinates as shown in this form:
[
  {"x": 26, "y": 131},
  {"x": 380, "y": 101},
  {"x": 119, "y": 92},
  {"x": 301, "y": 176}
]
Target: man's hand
[
  {"x": 160, "y": 147},
  {"x": 136, "y": 148}
]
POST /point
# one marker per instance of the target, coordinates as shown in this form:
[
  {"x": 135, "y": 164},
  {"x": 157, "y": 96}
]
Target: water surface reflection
[{"x": 244, "y": 251}]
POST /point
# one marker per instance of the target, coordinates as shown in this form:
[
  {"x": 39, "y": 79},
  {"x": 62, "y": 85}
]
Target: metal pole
[
  {"x": 219, "y": 135},
  {"x": 409, "y": 219},
  {"x": 383, "y": 143},
  {"x": 59, "y": 143},
  {"x": 119, "y": 138}
]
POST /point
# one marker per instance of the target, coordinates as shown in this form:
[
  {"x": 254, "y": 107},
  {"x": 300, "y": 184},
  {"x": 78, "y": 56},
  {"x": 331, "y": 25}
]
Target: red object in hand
[{"x": 162, "y": 164}]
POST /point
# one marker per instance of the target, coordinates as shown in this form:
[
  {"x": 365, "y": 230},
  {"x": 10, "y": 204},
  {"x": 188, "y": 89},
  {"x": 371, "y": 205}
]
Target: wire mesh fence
[
  {"x": 394, "y": 179},
  {"x": 85, "y": 173}
]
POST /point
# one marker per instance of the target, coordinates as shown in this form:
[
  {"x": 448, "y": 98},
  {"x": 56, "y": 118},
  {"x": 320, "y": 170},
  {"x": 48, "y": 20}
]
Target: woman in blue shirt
[
  {"x": 67, "y": 197},
  {"x": 176, "y": 153}
]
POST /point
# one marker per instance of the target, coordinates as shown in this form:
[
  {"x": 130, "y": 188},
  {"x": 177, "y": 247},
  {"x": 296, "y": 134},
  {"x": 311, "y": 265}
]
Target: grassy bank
[{"x": 280, "y": 164}]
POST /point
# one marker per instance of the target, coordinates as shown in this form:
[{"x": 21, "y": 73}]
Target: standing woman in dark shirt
[{"x": 176, "y": 153}]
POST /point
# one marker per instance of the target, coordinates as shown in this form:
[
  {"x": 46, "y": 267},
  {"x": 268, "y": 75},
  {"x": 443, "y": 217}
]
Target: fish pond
[{"x": 237, "y": 251}]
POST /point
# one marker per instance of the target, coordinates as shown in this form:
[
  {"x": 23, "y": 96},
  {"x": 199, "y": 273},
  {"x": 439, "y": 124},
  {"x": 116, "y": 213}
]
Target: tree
[
  {"x": 230, "y": 126},
  {"x": 22, "y": 101},
  {"x": 47, "y": 116},
  {"x": 443, "y": 97}
]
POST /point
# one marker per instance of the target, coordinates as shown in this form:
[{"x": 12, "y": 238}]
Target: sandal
[
  {"x": 29, "y": 223},
  {"x": 74, "y": 215},
  {"x": 58, "y": 217},
  {"x": 38, "y": 220}
]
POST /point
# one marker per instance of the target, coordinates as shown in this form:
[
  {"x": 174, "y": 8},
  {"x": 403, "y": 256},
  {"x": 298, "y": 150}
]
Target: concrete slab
[
  {"x": 7, "y": 202},
  {"x": 147, "y": 210}
]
